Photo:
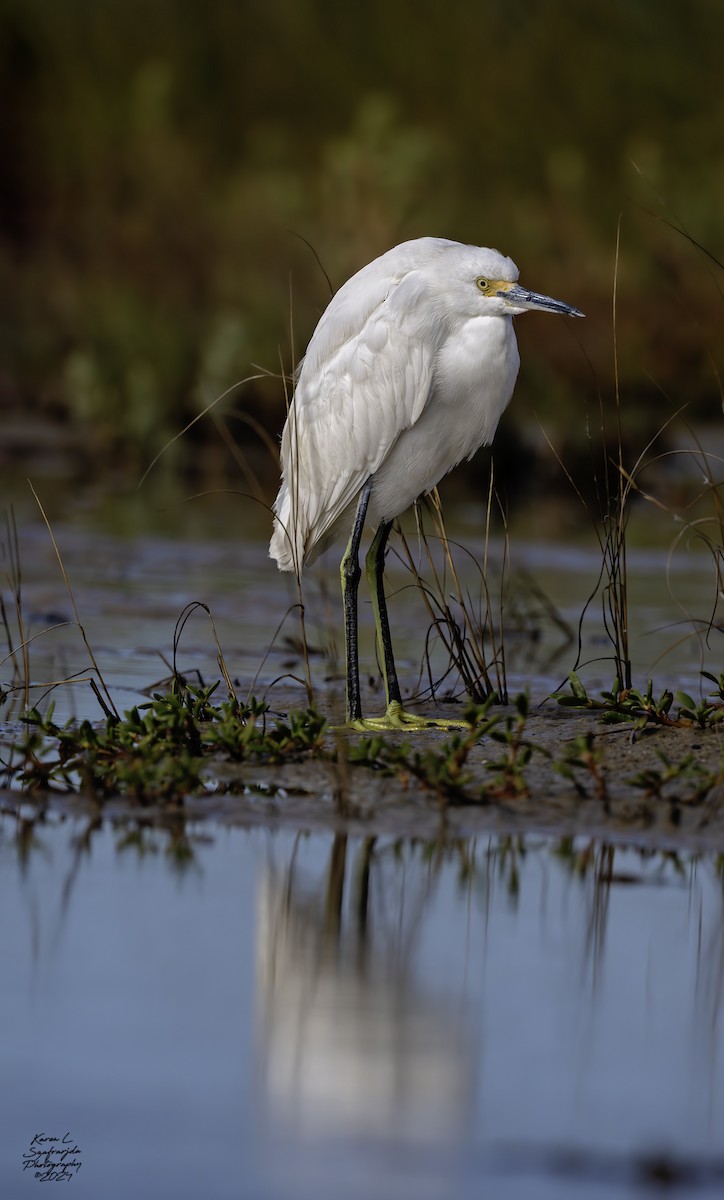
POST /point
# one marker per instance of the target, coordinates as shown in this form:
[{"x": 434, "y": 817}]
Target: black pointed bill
[{"x": 520, "y": 298}]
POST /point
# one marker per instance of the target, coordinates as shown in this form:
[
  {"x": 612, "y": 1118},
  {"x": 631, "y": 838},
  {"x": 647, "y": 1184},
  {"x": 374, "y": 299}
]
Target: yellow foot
[{"x": 397, "y": 720}]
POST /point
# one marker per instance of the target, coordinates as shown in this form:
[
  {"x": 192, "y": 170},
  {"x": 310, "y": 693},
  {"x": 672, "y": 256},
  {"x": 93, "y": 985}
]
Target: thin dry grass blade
[{"x": 108, "y": 705}]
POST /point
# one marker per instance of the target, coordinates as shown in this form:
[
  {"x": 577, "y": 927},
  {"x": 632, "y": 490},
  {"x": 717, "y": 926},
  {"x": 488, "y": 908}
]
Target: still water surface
[
  {"x": 130, "y": 593},
  {"x": 217, "y": 1011},
  {"x": 247, "y": 1013}
]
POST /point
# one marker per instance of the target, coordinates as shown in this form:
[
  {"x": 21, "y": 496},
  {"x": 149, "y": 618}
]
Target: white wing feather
[{"x": 365, "y": 379}]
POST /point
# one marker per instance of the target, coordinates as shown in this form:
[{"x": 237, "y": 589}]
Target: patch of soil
[{"x": 681, "y": 813}]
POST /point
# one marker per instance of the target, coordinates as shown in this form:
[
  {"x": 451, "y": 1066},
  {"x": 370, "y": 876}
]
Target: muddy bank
[
  {"x": 608, "y": 805},
  {"x": 608, "y": 800}
]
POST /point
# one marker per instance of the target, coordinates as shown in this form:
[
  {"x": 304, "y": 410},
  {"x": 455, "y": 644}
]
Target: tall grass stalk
[
  {"x": 706, "y": 530},
  {"x": 291, "y": 409},
  {"x": 209, "y": 408},
  {"x": 471, "y": 633},
  {"x": 610, "y": 521},
  {"x": 615, "y": 592},
  {"x": 21, "y": 676},
  {"x": 98, "y": 683}
]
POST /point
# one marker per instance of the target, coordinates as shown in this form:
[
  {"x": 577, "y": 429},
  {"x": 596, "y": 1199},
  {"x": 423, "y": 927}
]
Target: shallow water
[
  {"x": 211, "y": 1010},
  {"x": 227, "y": 1012},
  {"x": 130, "y": 592}
]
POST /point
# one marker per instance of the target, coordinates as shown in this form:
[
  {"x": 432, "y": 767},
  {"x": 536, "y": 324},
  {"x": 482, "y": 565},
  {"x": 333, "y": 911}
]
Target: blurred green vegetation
[{"x": 165, "y": 161}]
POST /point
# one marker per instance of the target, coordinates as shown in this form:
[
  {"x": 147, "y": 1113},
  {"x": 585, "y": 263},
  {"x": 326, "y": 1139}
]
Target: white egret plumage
[{"x": 407, "y": 373}]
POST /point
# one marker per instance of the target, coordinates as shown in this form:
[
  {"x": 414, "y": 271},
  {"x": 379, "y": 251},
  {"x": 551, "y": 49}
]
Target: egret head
[
  {"x": 482, "y": 281},
  {"x": 496, "y": 279}
]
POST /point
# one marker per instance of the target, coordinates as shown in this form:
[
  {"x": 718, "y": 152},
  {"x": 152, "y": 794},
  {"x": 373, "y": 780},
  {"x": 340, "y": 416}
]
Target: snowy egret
[{"x": 407, "y": 373}]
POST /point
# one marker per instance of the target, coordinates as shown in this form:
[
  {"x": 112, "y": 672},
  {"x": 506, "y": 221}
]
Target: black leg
[
  {"x": 350, "y": 572},
  {"x": 375, "y": 564}
]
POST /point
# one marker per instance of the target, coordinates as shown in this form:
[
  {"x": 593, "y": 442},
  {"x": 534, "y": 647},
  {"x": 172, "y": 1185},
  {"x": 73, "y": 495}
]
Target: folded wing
[{"x": 365, "y": 379}]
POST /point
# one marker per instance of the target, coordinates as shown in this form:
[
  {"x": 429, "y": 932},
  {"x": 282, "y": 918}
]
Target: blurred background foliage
[{"x": 167, "y": 165}]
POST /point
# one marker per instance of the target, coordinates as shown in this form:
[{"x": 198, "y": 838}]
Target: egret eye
[{"x": 483, "y": 284}]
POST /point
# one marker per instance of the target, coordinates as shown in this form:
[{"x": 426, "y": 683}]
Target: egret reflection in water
[
  {"x": 352, "y": 1041},
  {"x": 496, "y": 1016}
]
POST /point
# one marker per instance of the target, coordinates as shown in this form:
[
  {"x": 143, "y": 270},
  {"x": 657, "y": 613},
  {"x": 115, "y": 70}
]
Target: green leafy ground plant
[
  {"x": 158, "y": 751},
  {"x": 643, "y": 708}
]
